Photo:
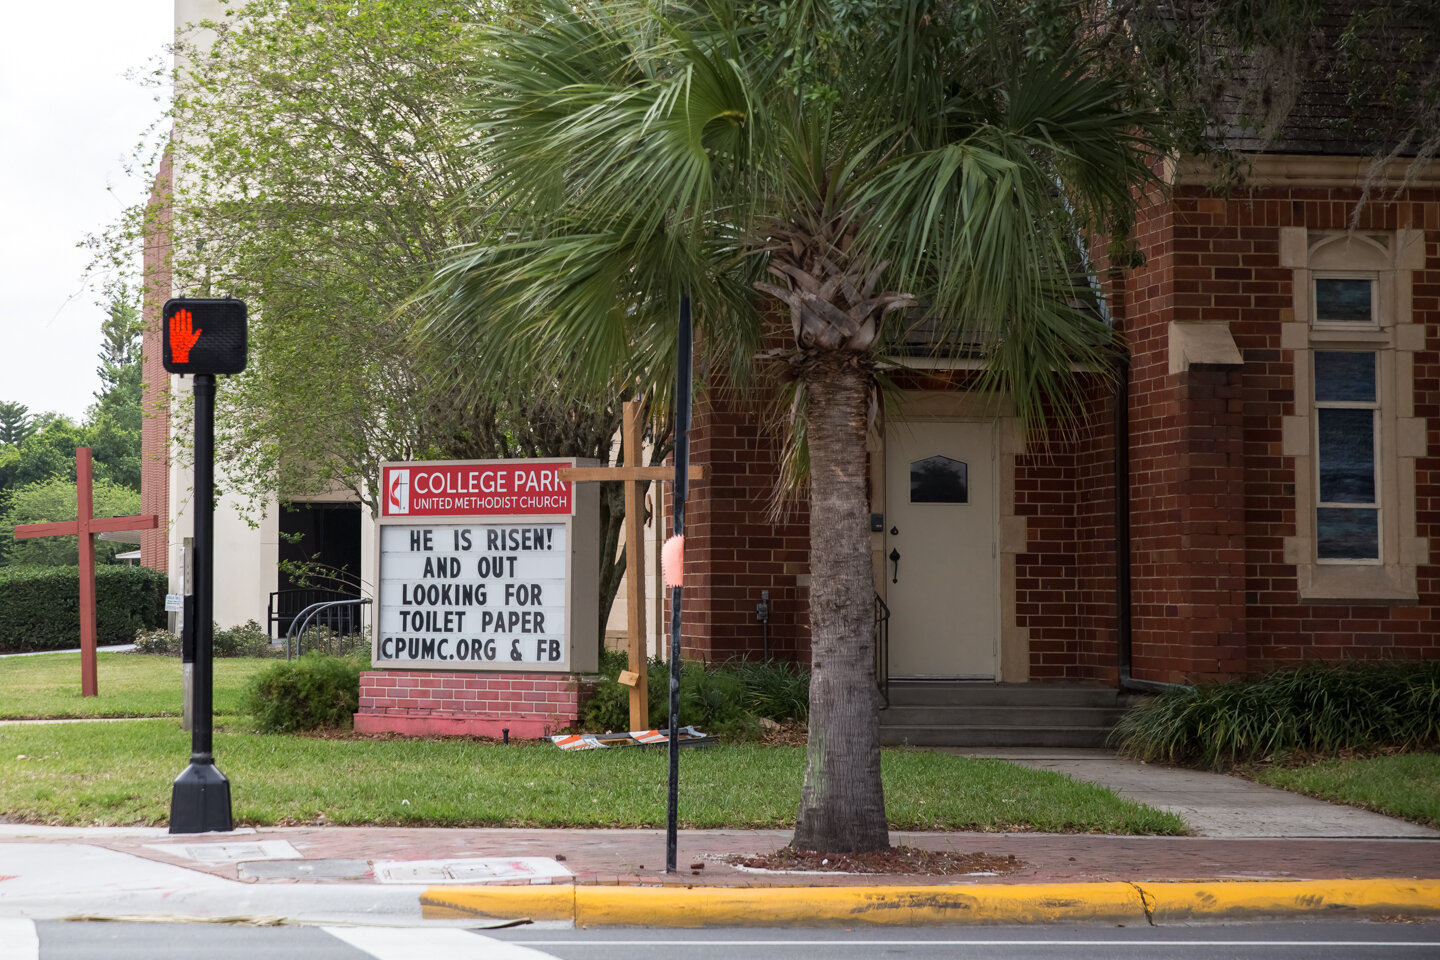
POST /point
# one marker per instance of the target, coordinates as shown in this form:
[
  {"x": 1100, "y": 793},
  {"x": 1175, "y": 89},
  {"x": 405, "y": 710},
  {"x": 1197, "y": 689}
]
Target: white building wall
[{"x": 247, "y": 542}]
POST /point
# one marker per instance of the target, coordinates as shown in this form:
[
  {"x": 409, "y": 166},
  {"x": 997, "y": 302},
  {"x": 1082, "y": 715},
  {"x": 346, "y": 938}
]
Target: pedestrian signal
[{"x": 204, "y": 336}]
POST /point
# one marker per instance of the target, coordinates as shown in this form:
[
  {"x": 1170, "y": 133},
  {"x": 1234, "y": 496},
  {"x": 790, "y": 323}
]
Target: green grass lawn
[
  {"x": 1403, "y": 785},
  {"x": 87, "y": 773},
  {"x": 130, "y": 685}
]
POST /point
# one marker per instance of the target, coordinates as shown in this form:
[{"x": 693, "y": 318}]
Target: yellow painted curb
[
  {"x": 537, "y": 902},
  {"x": 1242, "y": 898},
  {"x": 704, "y": 906},
  {"x": 759, "y": 906}
]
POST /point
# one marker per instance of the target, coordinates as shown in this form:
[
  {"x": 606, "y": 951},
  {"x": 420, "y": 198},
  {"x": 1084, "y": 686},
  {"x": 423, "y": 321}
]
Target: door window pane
[
  {"x": 1344, "y": 377},
  {"x": 1346, "y": 534},
  {"x": 1343, "y": 300},
  {"x": 939, "y": 480},
  {"x": 1347, "y": 455}
]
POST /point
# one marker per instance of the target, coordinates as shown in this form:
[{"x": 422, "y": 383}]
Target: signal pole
[{"x": 203, "y": 337}]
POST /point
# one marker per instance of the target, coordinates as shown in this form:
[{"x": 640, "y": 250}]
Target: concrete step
[
  {"x": 982, "y": 714},
  {"x": 998, "y": 716},
  {"x": 970, "y": 693},
  {"x": 975, "y": 735}
]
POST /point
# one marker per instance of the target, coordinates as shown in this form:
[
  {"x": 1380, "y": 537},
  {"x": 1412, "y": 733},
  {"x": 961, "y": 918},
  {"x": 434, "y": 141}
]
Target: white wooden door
[{"x": 941, "y": 567}]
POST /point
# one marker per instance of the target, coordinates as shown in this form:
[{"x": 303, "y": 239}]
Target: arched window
[
  {"x": 1354, "y": 436},
  {"x": 939, "y": 480}
]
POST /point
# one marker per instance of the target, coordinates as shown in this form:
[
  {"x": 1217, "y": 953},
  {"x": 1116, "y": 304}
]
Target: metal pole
[
  {"x": 200, "y": 797},
  {"x": 682, "y": 475}
]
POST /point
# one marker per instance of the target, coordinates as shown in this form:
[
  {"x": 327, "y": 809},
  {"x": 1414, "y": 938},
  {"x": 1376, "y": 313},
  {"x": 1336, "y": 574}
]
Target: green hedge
[{"x": 40, "y": 606}]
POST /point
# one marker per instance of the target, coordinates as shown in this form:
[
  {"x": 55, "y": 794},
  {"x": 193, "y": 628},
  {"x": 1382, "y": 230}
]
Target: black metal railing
[
  {"x": 286, "y": 605},
  {"x": 310, "y": 619},
  {"x": 882, "y": 650}
]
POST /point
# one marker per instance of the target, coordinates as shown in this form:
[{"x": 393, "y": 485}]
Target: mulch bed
[{"x": 896, "y": 860}]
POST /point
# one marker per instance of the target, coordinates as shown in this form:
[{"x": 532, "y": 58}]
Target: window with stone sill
[{"x": 1353, "y": 433}]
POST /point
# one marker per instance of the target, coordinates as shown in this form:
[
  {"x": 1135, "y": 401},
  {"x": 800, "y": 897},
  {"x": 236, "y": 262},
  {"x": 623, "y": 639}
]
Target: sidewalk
[{"x": 1317, "y": 859}]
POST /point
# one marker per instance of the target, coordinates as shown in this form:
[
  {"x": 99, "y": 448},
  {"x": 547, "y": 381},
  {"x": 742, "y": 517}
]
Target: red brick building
[
  {"x": 1278, "y": 467},
  {"x": 1261, "y": 489}
]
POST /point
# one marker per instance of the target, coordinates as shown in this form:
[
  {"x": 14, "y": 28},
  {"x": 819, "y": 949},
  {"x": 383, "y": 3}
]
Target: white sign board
[
  {"x": 174, "y": 603},
  {"x": 466, "y": 588}
]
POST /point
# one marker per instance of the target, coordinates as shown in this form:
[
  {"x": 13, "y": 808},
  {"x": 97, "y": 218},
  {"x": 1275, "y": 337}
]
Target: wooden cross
[
  {"x": 86, "y": 526},
  {"x": 633, "y": 475}
]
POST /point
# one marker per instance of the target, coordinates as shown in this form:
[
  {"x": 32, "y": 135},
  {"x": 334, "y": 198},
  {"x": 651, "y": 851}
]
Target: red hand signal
[{"x": 181, "y": 336}]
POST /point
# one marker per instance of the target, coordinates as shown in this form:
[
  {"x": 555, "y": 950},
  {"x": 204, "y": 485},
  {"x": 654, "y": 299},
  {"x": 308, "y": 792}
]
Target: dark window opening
[
  {"x": 320, "y": 547},
  {"x": 939, "y": 480}
]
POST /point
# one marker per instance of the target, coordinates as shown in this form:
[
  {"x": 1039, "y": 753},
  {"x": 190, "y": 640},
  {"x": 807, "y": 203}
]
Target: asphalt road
[{"x": 56, "y": 940}]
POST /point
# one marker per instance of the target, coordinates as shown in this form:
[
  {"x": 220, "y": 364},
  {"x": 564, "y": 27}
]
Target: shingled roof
[{"x": 1342, "y": 91}]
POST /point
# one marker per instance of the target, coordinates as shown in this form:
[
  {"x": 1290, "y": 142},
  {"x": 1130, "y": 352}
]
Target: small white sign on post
[
  {"x": 486, "y": 565},
  {"x": 174, "y": 603}
]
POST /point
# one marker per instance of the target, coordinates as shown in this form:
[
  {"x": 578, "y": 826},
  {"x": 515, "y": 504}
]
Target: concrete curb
[{"x": 1115, "y": 902}]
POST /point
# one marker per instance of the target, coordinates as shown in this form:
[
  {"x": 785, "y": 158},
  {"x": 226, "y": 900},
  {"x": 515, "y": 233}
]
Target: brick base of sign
[{"x": 466, "y": 703}]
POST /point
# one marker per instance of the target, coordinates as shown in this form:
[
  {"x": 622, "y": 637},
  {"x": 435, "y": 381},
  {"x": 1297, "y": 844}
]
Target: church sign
[{"x": 486, "y": 565}]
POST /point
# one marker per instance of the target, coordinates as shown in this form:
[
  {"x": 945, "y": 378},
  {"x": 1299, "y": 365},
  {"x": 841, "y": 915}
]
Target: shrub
[
  {"x": 609, "y": 705},
  {"x": 40, "y": 606},
  {"x": 726, "y": 699},
  {"x": 714, "y": 700},
  {"x": 311, "y": 693},
  {"x": 160, "y": 643},
  {"x": 1320, "y": 708},
  {"x": 249, "y": 640}
]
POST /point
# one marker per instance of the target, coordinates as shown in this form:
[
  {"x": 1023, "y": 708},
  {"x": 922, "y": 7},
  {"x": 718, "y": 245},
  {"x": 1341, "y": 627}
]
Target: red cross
[{"x": 86, "y": 525}]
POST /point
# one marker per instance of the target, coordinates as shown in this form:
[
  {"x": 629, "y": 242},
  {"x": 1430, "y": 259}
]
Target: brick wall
[
  {"x": 1065, "y": 579},
  {"x": 733, "y": 550},
  {"x": 1213, "y": 498},
  {"x": 429, "y": 702},
  {"x": 155, "y": 402}
]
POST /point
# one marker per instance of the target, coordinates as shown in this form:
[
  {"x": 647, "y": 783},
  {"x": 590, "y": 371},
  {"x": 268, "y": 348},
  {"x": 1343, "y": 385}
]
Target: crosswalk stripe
[
  {"x": 406, "y": 943},
  {"x": 19, "y": 941}
]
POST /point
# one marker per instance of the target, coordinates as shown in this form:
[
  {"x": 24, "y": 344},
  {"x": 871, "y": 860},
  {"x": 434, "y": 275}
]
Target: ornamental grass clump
[
  {"x": 1317, "y": 709},
  {"x": 775, "y": 689}
]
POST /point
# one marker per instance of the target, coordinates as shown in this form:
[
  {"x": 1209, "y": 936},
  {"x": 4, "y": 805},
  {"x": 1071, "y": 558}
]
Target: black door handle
[{"x": 895, "y": 559}]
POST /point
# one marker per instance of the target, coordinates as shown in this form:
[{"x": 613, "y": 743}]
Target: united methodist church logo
[{"x": 397, "y": 493}]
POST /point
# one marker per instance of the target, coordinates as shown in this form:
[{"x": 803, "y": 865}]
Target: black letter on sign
[{"x": 515, "y": 653}]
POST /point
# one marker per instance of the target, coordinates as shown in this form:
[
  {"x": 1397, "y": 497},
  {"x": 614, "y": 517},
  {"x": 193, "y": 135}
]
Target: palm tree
[{"x": 859, "y": 168}]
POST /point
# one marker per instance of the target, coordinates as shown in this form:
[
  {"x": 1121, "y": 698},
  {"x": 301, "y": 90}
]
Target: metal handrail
[
  {"x": 309, "y": 613},
  {"x": 276, "y": 615},
  {"x": 882, "y": 650}
]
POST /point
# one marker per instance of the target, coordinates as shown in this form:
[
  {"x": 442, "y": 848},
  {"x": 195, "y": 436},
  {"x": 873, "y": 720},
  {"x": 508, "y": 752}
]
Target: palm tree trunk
[{"x": 842, "y": 806}]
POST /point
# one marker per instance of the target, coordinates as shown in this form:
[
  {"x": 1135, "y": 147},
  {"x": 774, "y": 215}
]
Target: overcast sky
[{"x": 69, "y": 118}]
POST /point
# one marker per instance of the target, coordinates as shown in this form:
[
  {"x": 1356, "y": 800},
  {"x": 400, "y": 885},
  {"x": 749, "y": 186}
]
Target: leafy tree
[
  {"x": 15, "y": 423},
  {"x": 53, "y": 501},
  {"x": 866, "y": 166},
  {"x": 316, "y": 177},
  {"x": 48, "y": 452},
  {"x": 115, "y": 417},
  {"x": 46, "y": 443}
]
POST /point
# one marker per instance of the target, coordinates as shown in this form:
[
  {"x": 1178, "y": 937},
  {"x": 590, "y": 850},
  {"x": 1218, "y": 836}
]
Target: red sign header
[{"x": 466, "y": 489}]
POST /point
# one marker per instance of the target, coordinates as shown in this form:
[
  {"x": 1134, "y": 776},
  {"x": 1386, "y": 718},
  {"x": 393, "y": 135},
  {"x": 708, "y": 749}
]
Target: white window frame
[
  {"x": 1388, "y": 260},
  {"x": 1375, "y": 447}
]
